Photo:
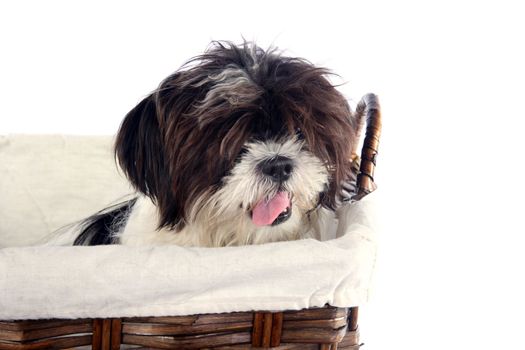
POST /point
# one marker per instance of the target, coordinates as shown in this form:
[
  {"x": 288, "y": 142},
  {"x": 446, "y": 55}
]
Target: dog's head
[{"x": 239, "y": 135}]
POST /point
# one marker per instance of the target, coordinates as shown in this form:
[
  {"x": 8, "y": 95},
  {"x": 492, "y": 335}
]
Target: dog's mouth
[{"x": 272, "y": 211}]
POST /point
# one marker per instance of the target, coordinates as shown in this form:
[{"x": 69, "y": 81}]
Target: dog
[{"x": 239, "y": 146}]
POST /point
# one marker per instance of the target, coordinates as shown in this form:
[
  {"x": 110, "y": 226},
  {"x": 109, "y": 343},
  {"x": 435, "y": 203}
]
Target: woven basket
[
  {"x": 327, "y": 328},
  {"x": 322, "y": 328}
]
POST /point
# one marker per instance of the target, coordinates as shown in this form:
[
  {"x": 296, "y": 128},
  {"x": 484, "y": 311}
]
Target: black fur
[{"x": 97, "y": 229}]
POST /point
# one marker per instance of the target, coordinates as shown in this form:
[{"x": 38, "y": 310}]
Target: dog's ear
[{"x": 139, "y": 150}]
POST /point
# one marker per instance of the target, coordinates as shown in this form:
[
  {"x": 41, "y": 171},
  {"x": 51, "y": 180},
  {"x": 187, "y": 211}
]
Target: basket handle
[{"x": 369, "y": 108}]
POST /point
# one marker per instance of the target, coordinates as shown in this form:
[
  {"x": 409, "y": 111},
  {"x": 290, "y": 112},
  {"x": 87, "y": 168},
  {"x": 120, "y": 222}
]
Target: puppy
[{"x": 239, "y": 146}]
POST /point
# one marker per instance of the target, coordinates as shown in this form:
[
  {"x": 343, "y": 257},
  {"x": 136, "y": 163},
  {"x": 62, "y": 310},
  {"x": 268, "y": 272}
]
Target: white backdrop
[{"x": 450, "y": 77}]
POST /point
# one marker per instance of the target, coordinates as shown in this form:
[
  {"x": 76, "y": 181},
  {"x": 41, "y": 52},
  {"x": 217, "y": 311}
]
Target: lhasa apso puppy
[{"x": 239, "y": 146}]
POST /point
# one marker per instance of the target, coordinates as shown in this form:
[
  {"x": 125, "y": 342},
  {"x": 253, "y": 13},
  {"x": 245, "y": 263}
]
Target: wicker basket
[{"x": 325, "y": 328}]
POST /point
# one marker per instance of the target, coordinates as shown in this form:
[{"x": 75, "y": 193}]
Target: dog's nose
[{"x": 278, "y": 168}]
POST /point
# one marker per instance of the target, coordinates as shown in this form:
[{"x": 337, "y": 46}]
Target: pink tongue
[{"x": 265, "y": 212}]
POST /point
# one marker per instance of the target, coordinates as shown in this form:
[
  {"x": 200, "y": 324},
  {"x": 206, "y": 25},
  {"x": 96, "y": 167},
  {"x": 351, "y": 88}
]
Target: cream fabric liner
[
  {"x": 47, "y": 181},
  {"x": 119, "y": 281}
]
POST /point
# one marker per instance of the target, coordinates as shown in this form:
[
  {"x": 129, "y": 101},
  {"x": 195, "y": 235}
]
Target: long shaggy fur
[
  {"x": 192, "y": 148},
  {"x": 228, "y": 96}
]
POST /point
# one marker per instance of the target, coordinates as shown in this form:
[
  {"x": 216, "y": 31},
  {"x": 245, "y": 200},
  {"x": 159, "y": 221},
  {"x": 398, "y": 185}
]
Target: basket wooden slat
[
  {"x": 188, "y": 342},
  {"x": 64, "y": 342},
  {"x": 329, "y": 324},
  {"x": 279, "y": 330},
  {"x": 316, "y": 314},
  {"x": 195, "y": 319},
  {"x": 41, "y": 324},
  {"x": 170, "y": 329},
  {"x": 313, "y": 335},
  {"x": 27, "y": 331}
]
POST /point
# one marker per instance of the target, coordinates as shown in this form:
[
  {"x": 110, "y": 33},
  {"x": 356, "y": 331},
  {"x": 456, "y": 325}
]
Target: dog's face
[{"x": 242, "y": 138}]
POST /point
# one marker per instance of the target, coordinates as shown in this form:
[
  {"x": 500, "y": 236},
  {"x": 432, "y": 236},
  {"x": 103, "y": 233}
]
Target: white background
[{"x": 451, "y": 81}]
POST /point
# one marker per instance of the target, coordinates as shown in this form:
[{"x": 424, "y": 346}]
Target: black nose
[{"x": 278, "y": 168}]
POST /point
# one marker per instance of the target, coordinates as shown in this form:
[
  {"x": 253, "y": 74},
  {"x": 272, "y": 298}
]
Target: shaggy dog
[{"x": 239, "y": 146}]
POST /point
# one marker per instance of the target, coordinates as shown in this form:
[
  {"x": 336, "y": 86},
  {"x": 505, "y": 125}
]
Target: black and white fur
[{"x": 233, "y": 128}]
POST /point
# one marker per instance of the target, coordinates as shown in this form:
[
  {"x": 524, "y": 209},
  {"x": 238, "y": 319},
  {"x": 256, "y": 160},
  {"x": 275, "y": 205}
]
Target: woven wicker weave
[{"x": 327, "y": 328}]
